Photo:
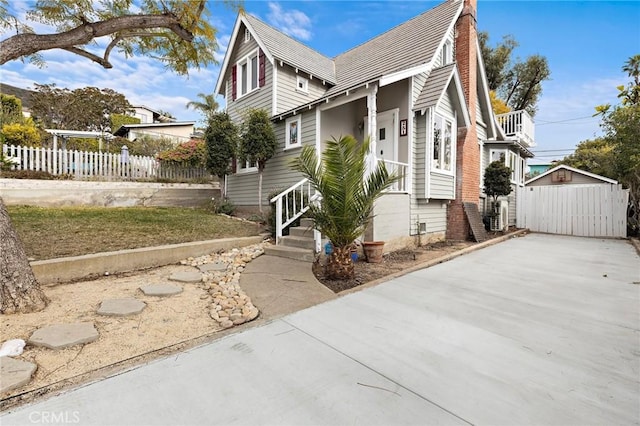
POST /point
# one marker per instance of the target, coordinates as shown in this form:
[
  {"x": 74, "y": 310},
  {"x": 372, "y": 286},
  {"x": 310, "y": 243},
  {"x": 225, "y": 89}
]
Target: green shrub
[
  {"x": 192, "y": 153},
  {"x": 23, "y": 134},
  {"x": 223, "y": 206},
  {"x": 33, "y": 174}
]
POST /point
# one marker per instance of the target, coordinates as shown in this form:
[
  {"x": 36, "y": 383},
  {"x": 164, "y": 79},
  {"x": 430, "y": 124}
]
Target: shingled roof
[
  {"x": 434, "y": 87},
  {"x": 292, "y": 52},
  {"x": 410, "y": 44}
]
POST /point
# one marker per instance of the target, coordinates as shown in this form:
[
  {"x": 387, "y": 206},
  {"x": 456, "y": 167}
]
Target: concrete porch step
[
  {"x": 300, "y": 242},
  {"x": 301, "y": 231},
  {"x": 304, "y": 255},
  {"x": 306, "y": 223}
]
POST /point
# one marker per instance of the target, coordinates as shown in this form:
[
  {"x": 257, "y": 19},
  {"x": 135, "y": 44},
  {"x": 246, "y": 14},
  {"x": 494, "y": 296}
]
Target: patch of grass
[{"x": 49, "y": 233}]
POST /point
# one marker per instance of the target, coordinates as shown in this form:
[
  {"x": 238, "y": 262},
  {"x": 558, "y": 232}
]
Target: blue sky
[{"x": 586, "y": 44}]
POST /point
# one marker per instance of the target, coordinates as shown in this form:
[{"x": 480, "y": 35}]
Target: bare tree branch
[
  {"x": 26, "y": 44},
  {"x": 95, "y": 58}
]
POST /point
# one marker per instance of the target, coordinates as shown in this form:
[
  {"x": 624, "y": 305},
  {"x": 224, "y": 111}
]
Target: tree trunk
[
  {"x": 19, "y": 289},
  {"x": 339, "y": 264},
  {"x": 260, "y": 190}
]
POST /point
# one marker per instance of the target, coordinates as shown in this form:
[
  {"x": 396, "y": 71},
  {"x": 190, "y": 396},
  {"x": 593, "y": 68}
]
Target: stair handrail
[{"x": 299, "y": 207}]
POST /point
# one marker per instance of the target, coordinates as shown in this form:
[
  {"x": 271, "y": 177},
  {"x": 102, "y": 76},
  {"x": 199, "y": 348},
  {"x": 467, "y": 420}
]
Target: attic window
[
  {"x": 247, "y": 35},
  {"x": 302, "y": 84},
  {"x": 447, "y": 54}
]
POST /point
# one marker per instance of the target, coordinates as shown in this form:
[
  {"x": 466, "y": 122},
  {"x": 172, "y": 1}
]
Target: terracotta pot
[{"x": 373, "y": 251}]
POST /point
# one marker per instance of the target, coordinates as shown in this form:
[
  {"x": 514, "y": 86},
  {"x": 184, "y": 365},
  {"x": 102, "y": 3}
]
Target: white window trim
[
  {"x": 514, "y": 169},
  {"x": 246, "y": 169},
  {"x": 287, "y": 135},
  {"x": 305, "y": 83},
  {"x": 247, "y": 35},
  {"x": 454, "y": 132},
  {"x": 247, "y": 59},
  {"x": 446, "y": 56}
]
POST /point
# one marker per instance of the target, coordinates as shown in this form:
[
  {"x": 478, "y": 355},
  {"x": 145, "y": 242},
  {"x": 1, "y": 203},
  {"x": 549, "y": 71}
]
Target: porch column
[{"x": 372, "y": 122}]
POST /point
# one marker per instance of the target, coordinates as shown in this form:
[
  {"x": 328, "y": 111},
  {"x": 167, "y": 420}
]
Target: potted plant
[{"x": 373, "y": 250}]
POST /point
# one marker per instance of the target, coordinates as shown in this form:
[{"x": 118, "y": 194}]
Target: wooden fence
[
  {"x": 589, "y": 211},
  {"x": 99, "y": 165}
]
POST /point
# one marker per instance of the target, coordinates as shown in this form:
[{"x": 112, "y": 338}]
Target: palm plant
[
  {"x": 207, "y": 107},
  {"x": 348, "y": 194}
]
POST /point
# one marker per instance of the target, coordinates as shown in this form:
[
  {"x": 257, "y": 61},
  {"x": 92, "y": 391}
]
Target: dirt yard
[{"x": 165, "y": 326}]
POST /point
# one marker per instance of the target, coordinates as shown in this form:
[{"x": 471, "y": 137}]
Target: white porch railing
[
  {"x": 291, "y": 204},
  {"x": 98, "y": 165},
  {"x": 402, "y": 170},
  {"x": 518, "y": 124}
]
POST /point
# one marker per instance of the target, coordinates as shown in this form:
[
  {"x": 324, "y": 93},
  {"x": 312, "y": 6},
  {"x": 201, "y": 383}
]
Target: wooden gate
[{"x": 580, "y": 210}]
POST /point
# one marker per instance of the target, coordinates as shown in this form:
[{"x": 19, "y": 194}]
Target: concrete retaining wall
[
  {"x": 54, "y": 271},
  {"x": 58, "y": 193}
]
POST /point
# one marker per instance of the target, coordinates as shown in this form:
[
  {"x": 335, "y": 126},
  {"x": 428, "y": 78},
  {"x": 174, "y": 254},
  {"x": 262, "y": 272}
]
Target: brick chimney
[{"x": 467, "y": 149}]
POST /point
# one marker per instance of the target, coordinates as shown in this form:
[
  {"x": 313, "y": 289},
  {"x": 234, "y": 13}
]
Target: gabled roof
[
  {"x": 406, "y": 46},
  {"x": 288, "y": 50},
  {"x": 278, "y": 46},
  {"x": 126, "y": 127},
  {"x": 574, "y": 170},
  {"x": 434, "y": 88}
]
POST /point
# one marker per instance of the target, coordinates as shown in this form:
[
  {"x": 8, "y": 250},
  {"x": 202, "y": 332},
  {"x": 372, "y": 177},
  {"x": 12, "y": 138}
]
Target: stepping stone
[
  {"x": 161, "y": 289},
  {"x": 63, "y": 335},
  {"x": 215, "y": 266},
  {"x": 14, "y": 373},
  {"x": 187, "y": 277},
  {"x": 121, "y": 307}
]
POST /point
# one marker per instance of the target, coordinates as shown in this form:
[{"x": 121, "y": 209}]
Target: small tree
[
  {"x": 497, "y": 182},
  {"x": 258, "y": 143},
  {"x": 221, "y": 136},
  {"x": 208, "y": 107}
]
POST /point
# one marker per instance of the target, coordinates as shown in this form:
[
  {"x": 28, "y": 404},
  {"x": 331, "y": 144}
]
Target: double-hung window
[
  {"x": 443, "y": 140},
  {"x": 248, "y": 74}
]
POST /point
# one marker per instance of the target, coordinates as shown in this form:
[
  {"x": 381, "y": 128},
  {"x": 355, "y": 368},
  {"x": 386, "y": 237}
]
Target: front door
[{"x": 386, "y": 135}]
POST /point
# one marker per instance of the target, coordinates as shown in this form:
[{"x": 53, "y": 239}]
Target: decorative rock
[
  {"x": 64, "y": 335},
  {"x": 14, "y": 373},
  {"x": 161, "y": 289},
  {"x": 226, "y": 324},
  {"x": 121, "y": 307},
  {"x": 187, "y": 277},
  {"x": 216, "y": 266}
]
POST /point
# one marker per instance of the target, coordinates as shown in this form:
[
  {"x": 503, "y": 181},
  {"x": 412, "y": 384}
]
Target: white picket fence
[
  {"x": 588, "y": 211},
  {"x": 96, "y": 165}
]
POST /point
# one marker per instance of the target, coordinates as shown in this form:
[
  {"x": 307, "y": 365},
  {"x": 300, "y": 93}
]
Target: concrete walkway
[
  {"x": 280, "y": 286},
  {"x": 536, "y": 330}
]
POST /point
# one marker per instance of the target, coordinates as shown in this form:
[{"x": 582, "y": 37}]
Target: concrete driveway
[{"x": 536, "y": 330}]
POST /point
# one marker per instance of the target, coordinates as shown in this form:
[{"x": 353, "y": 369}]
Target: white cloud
[{"x": 292, "y": 22}]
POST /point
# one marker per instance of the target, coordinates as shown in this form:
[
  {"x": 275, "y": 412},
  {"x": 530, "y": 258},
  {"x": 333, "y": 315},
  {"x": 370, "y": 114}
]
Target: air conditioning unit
[{"x": 503, "y": 220}]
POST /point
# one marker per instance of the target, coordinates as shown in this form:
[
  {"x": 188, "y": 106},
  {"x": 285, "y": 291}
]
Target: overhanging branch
[{"x": 27, "y": 44}]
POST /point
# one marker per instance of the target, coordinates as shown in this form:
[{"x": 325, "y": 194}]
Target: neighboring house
[
  {"x": 23, "y": 94},
  {"x": 566, "y": 175},
  {"x": 536, "y": 169},
  {"x": 419, "y": 91},
  {"x": 176, "y": 131},
  {"x": 148, "y": 115}
]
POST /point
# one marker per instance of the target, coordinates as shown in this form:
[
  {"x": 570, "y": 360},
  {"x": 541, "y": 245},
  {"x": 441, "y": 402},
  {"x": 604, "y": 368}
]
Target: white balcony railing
[
  {"x": 519, "y": 125},
  {"x": 402, "y": 170}
]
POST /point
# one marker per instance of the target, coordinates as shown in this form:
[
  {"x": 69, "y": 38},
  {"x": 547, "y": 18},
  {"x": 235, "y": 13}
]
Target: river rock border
[{"x": 230, "y": 305}]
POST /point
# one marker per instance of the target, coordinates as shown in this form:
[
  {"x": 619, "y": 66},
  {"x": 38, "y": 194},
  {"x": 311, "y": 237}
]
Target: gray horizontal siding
[
  {"x": 432, "y": 213},
  {"x": 442, "y": 186},
  {"x": 260, "y": 98},
  {"x": 420, "y": 156},
  {"x": 287, "y": 97},
  {"x": 242, "y": 189}
]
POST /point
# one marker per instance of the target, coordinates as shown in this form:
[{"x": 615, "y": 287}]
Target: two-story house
[{"x": 418, "y": 91}]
